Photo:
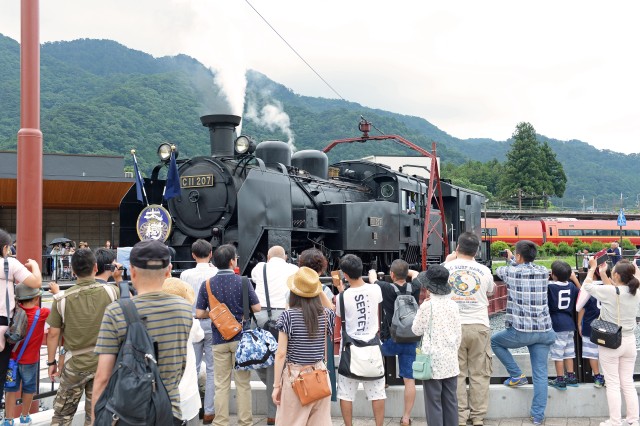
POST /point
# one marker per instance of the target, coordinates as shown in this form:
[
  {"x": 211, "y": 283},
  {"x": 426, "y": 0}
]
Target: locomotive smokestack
[{"x": 222, "y": 129}]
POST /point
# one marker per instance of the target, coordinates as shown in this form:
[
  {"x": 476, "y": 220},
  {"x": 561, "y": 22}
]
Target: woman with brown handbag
[
  {"x": 301, "y": 387},
  {"x": 619, "y": 304}
]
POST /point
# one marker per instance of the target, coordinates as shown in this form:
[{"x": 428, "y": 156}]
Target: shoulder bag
[
  {"x": 422, "y": 365},
  {"x": 270, "y": 325},
  {"x": 605, "y": 333},
  {"x": 257, "y": 347},
  {"x": 221, "y": 316},
  {"x": 312, "y": 384},
  {"x": 18, "y": 322},
  {"x": 361, "y": 360},
  {"x": 12, "y": 370}
]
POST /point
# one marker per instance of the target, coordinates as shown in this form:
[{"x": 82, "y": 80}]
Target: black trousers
[
  {"x": 178, "y": 422},
  {"x": 441, "y": 401},
  {"x": 5, "y": 355}
]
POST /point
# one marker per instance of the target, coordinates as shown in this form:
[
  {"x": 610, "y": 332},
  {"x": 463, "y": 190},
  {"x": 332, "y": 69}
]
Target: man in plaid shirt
[{"x": 527, "y": 323}]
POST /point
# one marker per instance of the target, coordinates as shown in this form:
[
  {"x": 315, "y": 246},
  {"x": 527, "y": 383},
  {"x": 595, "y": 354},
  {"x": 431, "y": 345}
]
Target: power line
[
  {"x": 303, "y": 60},
  {"x": 296, "y": 52}
]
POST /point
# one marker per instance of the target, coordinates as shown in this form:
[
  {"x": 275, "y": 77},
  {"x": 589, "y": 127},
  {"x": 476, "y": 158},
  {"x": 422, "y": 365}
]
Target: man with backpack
[
  {"x": 75, "y": 316},
  {"x": 399, "y": 307},
  {"x": 157, "y": 322},
  {"x": 471, "y": 283}
]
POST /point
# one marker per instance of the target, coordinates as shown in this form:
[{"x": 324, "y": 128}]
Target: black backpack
[{"x": 135, "y": 394}]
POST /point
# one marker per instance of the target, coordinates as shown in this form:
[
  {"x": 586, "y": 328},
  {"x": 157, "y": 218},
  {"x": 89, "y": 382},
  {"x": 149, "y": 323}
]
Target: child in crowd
[
  {"x": 562, "y": 296},
  {"x": 27, "y": 373},
  {"x": 588, "y": 310}
]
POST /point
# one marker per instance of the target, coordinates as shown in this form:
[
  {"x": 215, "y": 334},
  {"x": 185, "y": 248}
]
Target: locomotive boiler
[{"x": 257, "y": 196}]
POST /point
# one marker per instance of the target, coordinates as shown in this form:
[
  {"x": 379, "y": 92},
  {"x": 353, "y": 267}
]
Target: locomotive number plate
[
  {"x": 198, "y": 181},
  {"x": 375, "y": 221}
]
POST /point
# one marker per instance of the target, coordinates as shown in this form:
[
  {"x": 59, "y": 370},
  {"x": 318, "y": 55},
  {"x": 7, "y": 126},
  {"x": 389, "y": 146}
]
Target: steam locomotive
[{"x": 260, "y": 195}]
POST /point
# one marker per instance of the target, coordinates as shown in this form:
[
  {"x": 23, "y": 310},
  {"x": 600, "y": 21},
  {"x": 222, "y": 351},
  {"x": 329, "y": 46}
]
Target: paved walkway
[{"x": 583, "y": 421}]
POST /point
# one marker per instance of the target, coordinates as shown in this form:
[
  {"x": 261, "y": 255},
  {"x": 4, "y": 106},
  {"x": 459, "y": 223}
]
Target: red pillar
[{"x": 29, "y": 203}]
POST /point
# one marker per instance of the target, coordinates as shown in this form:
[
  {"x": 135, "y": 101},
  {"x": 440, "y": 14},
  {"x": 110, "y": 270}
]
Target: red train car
[{"x": 558, "y": 230}]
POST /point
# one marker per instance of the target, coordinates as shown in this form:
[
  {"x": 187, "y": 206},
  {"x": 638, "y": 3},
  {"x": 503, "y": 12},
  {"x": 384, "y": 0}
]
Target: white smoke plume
[
  {"x": 213, "y": 34},
  {"x": 272, "y": 117}
]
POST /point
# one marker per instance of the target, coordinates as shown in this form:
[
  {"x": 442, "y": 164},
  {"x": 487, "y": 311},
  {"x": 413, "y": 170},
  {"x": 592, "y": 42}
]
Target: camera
[
  {"x": 112, "y": 267},
  {"x": 504, "y": 253}
]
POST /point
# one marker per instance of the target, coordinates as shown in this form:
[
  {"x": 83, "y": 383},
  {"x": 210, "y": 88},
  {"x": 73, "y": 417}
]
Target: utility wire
[
  {"x": 303, "y": 60},
  {"x": 296, "y": 52}
]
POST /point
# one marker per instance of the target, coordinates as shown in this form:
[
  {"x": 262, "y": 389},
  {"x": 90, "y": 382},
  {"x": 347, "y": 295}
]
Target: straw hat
[
  {"x": 305, "y": 283},
  {"x": 179, "y": 288}
]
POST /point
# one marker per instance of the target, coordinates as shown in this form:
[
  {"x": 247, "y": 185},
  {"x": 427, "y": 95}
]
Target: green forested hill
[{"x": 100, "y": 97}]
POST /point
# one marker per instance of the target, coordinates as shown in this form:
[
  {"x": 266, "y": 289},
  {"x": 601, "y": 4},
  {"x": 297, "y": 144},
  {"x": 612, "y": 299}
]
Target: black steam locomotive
[{"x": 257, "y": 196}]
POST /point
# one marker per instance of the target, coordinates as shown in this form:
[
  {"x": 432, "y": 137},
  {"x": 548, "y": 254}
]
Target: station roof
[{"x": 70, "y": 181}]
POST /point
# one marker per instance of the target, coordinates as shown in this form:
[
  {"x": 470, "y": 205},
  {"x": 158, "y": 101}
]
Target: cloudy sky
[{"x": 472, "y": 68}]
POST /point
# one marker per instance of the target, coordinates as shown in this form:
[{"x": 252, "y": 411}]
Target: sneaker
[
  {"x": 25, "y": 421},
  {"x": 558, "y": 383},
  {"x": 571, "y": 379},
  {"x": 536, "y": 421},
  {"x": 514, "y": 382},
  {"x": 598, "y": 380},
  {"x": 7, "y": 422}
]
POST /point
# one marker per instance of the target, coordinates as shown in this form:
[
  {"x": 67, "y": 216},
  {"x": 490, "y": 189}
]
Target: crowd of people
[{"x": 87, "y": 329}]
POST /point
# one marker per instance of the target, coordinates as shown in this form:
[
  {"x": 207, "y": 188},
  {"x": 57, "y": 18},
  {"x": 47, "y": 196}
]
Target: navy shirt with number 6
[
  {"x": 227, "y": 288},
  {"x": 562, "y": 303}
]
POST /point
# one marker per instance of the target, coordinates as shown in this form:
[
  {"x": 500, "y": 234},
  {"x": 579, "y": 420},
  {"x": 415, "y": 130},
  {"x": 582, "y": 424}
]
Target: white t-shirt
[
  {"x": 470, "y": 282},
  {"x": 189, "y": 394},
  {"x": 361, "y": 309},
  {"x": 278, "y": 270},
  {"x": 196, "y": 276},
  {"x": 17, "y": 273}
]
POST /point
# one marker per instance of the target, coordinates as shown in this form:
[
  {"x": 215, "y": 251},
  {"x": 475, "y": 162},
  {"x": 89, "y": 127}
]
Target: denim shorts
[
  {"x": 27, "y": 375},
  {"x": 406, "y": 353}
]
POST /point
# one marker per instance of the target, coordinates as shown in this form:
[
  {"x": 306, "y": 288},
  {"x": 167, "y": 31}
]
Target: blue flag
[
  {"x": 172, "y": 189},
  {"x": 139, "y": 181}
]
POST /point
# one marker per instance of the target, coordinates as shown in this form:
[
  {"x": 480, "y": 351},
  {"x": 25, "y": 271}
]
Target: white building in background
[{"x": 405, "y": 164}]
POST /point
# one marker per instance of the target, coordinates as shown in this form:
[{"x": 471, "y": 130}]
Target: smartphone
[
  {"x": 601, "y": 257},
  {"x": 503, "y": 253}
]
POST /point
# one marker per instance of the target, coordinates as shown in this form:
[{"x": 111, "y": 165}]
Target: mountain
[{"x": 101, "y": 97}]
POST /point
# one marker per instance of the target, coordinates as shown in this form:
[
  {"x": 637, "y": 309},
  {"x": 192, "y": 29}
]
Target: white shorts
[
  {"x": 563, "y": 347},
  {"x": 589, "y": 349},
  {"x": 373, "y": 389}
]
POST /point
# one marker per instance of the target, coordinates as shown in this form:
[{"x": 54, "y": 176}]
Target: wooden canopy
[{"x": 71, "y": 181}]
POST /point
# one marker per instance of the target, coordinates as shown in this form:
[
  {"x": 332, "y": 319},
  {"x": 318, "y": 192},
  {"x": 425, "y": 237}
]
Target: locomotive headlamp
[
  {"x": 244, "y": 144},
  {"x": 164, "y": 152}
]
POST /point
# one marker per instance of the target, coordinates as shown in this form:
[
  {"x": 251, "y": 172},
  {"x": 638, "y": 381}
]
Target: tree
[
  {"x": 555, "y": 172},
  {"x": 531, "y": 169}
]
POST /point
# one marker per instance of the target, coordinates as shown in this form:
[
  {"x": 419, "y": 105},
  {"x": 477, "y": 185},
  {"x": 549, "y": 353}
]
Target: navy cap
[{"x": 150, "y": 254}]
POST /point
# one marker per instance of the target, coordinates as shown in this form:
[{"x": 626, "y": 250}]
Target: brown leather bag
[
  {"x": 312, "y": 384},
  {"x": 222, "y": 318}
]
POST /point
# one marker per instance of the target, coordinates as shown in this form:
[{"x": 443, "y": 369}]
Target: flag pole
[{"x": 139, "y": 180}]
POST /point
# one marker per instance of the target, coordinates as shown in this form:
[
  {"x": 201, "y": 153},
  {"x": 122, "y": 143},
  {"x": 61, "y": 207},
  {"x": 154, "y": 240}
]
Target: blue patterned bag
[{"x": 256, "y": 350}]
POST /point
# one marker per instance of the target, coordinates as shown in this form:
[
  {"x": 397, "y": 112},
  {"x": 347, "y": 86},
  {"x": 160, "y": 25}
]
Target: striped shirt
[
  {"x": 168, "y": 320},
  {"x": 527, "y": 301},
  {"x": 302, "y": 348}
]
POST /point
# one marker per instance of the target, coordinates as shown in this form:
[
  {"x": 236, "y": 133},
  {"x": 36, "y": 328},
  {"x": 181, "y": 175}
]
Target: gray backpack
[
  {"x": 404, "y": 312},
  {"x": 135, "y": 394}
]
